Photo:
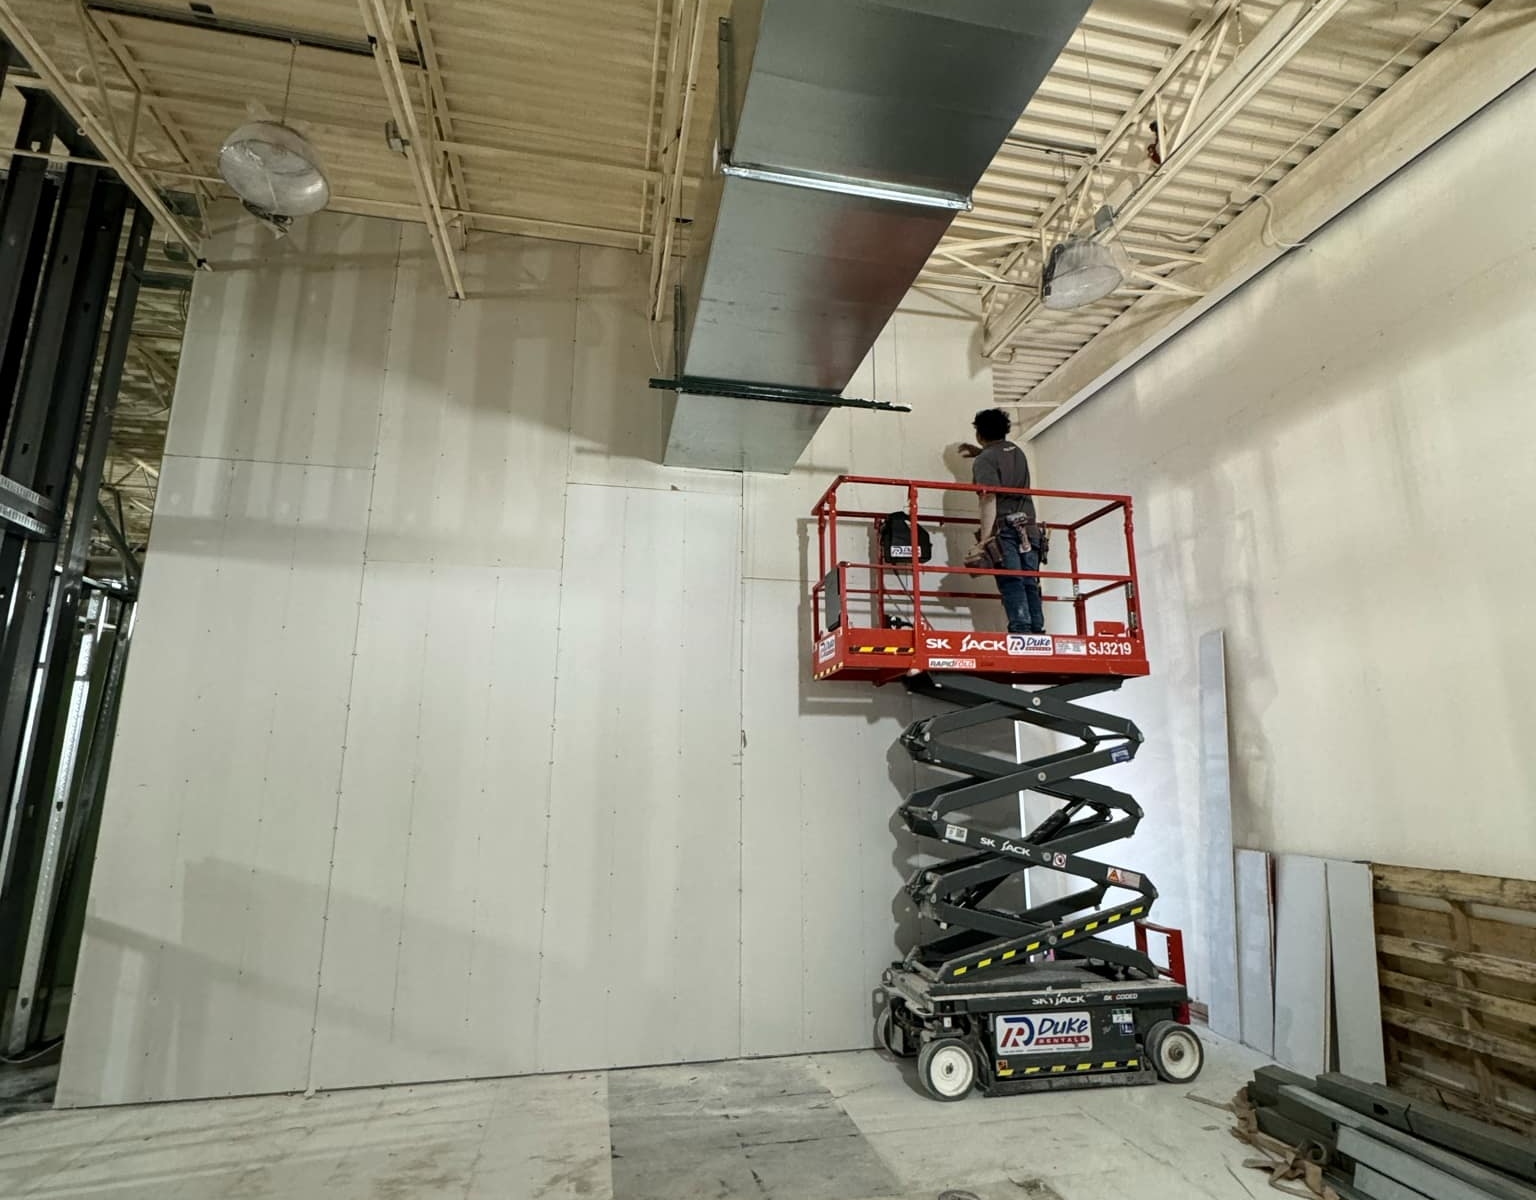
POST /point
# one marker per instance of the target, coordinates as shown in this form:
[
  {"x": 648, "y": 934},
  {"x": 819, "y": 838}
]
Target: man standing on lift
[{"x": 1011, "y": 519}]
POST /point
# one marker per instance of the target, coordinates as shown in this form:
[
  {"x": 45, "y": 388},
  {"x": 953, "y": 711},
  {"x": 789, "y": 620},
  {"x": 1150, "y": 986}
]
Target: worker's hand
[{"x": 967, "y": 450}]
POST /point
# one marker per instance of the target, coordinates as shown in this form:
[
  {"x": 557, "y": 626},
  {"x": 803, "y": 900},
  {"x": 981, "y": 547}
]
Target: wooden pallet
[{"x": 1457, "y": 955}]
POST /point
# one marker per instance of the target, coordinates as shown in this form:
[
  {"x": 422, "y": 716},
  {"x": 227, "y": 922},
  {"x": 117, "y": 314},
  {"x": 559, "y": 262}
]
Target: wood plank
[
  {"x": 1427, "y": 924},
  {"x": 1462, "y": 940},
  {"x": 1480, "y": 1043},
  {"x": 1491, "y": 964},
  {"x": 1456, "y": 885},
  {"x": 1426, "y": 1085},
  {"x": 1497, "y": 1006},
  {"x": 1489, "y": 934}
]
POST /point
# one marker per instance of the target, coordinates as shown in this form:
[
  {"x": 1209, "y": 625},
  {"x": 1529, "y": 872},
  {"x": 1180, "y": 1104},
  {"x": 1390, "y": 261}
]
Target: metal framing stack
[{"x": 72, "y": 246}]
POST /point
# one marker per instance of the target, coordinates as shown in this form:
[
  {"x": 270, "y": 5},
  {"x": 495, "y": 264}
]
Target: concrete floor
[{"x": 828, "y": 1127}]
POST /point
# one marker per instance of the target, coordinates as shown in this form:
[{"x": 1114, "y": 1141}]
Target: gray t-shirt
[{"x": 1002, "y": 464}]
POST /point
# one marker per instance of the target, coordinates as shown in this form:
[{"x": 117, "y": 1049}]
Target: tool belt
[{"x": 1033, "y": 535}]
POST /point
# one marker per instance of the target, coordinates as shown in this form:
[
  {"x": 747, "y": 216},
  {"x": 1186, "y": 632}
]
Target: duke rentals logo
[
  {"x": 1030, "y": 643},
  {"x": 1054, "y": 1033}
]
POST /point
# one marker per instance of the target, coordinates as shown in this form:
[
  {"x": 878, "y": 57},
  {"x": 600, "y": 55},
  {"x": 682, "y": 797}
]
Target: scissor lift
[{"x": 1010, "y": 991}]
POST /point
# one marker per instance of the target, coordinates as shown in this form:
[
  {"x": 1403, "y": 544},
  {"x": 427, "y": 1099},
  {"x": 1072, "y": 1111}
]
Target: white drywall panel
[
  {"x": 286, "y": 339},
  {"x": 618, "y": 421},
  {"x": 1332, "y": 466},
  {"x": 923, "y": 359},
  {"x": 1356, "y": 985},
  {"x": 1302, "y": 994},
  {"x": 822, "y": 866},
  {"x": 476, "y": 424},
  {"x": 642, "y": 918},
  {"x": 432, "y": 930},
  {"x": 538, "y": 857},
  {"x": 202, "y": 942}
]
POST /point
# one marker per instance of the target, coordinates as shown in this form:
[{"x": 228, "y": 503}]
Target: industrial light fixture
[
  {"x": 273, "y": 168},
  {"x": 1080, "y": 270}
]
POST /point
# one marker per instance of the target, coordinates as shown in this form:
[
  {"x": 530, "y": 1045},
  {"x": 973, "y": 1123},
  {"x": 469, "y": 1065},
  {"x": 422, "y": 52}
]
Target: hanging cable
[{"x": 293, "y": 53}]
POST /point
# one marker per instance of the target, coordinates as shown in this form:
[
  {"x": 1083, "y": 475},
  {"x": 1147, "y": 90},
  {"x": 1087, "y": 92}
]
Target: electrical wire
[
  {"x": 23, "y": 1059},
  {"x": 293, "y": 53},
  {"x": 1269, "y": 236}
]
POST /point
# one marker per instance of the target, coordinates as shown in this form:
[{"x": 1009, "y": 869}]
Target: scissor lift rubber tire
[
  {"x": 1176, "y": 1053},
  {"x": 947, "y": 1068}
]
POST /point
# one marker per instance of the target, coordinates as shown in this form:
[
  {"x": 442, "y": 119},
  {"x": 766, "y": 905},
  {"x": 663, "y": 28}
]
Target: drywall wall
[
  {"x": 459, "y": 737},
  {"x": 1334, "y": 468}
]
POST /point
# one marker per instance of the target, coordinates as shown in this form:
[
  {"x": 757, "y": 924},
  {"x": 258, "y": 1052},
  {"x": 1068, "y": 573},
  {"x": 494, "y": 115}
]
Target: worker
[{"x": 998, "y": 463}]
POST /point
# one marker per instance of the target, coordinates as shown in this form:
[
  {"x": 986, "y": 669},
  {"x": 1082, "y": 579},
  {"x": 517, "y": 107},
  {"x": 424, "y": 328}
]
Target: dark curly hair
[{"x": 992, "y": 424}]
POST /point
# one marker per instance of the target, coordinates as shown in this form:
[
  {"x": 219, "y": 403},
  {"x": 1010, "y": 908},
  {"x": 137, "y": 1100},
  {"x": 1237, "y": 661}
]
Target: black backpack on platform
[{"x": 896, "y": 540}]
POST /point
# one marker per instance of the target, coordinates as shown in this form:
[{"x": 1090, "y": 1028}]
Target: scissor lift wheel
[
  {"x": 947, "y": 1068},
  {"x": 1175, "y": 1051},
  {"x": 892, "y": 1036}
]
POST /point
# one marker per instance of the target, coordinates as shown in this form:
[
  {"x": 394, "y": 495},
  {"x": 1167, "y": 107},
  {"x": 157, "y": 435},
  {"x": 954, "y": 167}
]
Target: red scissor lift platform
[
  {"x": 1093, "y": 614},
  {"x": 1013, "y": 993}
]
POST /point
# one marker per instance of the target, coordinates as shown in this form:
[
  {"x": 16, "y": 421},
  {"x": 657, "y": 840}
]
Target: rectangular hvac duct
[{"x": 849, "y": 134}]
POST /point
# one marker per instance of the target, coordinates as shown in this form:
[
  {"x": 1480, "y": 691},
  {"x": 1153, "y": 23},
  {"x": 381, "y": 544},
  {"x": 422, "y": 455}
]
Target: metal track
[{"x": 978, "y": 811}]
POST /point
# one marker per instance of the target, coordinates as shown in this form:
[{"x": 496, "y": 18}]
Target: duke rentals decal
[
  {"x": 1030, "y": 643},
  {"x": 951, "y": 664},
  {"x": 1052, "y": 1033},
  {"x": 826, "y": 648}
]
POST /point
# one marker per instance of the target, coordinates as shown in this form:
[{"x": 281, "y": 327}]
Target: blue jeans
[{"x": 1021, "y": 597}]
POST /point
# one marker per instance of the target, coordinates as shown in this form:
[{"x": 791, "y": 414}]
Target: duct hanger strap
[
  {"x": 848, "y": 185},
  {"x": 698, "y": 386}
]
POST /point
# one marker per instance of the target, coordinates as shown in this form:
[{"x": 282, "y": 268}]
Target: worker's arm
[
  {"x": 988, "y": 518},
  {"x": 984, "y": 473}
]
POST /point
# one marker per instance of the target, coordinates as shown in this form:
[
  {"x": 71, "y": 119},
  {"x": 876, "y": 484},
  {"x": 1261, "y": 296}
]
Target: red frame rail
[{"x": 875, "y": 650}]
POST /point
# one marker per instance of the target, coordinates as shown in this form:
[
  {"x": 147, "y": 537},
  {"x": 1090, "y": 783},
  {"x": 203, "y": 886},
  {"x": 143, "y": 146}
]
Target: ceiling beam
[
  {"x": 416, "y": 13},
  {"x": 1181, "y": 55},
  {"x": 1488, "y": 55},
  {"x": 1286, "y": 44},
  {"x": 190, "y": 19},
  {"x": 140, "y": 184},
  {"x": 392, "y": 76}
]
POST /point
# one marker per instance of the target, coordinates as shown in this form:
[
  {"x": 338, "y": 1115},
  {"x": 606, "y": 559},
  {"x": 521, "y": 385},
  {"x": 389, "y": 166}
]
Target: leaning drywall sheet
[
  {"x": 1217, "y": 901},
  {"x": 1301, "y": 963},
  {"x": 1356, "y": 985},
  {"x": 202, "y": 944},
  {"x": 640, "y": 947},
  {"x": 1255, "y": 950},
  {"x": 286, "y": 342},
  {"x": 431, "y": 955}
]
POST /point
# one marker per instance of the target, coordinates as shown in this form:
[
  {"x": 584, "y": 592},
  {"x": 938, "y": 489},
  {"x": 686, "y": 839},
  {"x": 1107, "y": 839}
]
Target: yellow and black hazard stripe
[
  {"x": 1068, "y": 934},
  {"x": 835, "y": 667},
  {"x": 1126, "y": 1064}
]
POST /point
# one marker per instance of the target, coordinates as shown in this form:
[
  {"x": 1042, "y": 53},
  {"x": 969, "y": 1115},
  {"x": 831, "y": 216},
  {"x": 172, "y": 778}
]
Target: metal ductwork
[{"x": 849, "y": 133}]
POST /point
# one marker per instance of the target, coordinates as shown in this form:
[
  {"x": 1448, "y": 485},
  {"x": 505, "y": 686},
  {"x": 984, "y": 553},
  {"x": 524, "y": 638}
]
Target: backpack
[{"x": 896, "y": 540}]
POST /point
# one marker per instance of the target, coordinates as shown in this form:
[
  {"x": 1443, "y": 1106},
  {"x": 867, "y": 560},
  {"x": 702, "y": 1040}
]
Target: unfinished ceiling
[{"x": 561, "y": 119}]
